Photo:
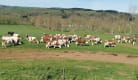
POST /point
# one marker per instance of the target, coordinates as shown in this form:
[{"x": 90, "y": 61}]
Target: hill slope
[{"x": 63, "y": 19}]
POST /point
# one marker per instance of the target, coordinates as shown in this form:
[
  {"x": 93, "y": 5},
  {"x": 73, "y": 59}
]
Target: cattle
[
  {"x": 118, "y": 38},
  {"x": 12, "y": 40},
  {"x": 95, "y": 40},
  {"x": 57, "y": 43},
  {"x": 74, "y": 38},
  {"x": 132, "y": 41},
  {"x": 87, "y": 36},
  {"x": 124, "y": 40},
  {"x": 32, "y": 39},
  {"x": 57, "y": 40},
  {"x": 109, "y": 43},
  {"x": 7, "y": 40},
  {"x": 81, "y": 42},
  {"x": 47, "y": 35},
  {"x": 10, "y": 33},
  {"x": 44, "y": 39},
  {"x": 53, "y": 44}
]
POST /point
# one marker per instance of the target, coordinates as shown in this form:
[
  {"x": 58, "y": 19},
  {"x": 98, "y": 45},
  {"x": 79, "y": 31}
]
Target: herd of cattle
[{"x": 62, "y": 40}]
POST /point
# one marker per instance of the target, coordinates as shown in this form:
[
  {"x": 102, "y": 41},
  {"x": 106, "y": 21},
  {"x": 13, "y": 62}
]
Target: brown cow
[{"x": 81, "y": 42}]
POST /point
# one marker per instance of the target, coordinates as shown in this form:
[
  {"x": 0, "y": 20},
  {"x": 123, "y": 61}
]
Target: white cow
[
  {"x": 57, "y": 43},
  {"x": 118, "y": 38},
  {"x": 109, "y": 43},
  {"x": 6, "y": 40},
  {"x": 95, "y": 40},
  {"x": 12, "y": 40}
]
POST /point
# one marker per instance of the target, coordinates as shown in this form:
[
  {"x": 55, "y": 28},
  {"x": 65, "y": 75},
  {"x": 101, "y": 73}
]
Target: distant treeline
[{"x": 70, "y": 19}]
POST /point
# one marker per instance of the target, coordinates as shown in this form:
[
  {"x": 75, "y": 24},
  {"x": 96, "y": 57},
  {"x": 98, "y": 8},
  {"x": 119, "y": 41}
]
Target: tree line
[{"x": 72, "y": 20}]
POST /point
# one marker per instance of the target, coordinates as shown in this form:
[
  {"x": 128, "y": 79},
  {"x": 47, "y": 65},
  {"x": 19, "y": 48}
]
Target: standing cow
[
  {"x": 109, "y": 43},
  {"x": 32, "y": 39},
  {"x": 14, "y": 39}
]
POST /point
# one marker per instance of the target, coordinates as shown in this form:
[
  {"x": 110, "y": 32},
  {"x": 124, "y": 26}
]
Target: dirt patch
[{"x": 44, "y": 55}]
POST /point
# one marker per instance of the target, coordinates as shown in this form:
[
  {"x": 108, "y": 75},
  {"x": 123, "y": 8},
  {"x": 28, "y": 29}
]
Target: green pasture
[
  {"x": 37, "y": 32},
  {"x": 66, "y": 70},
  {"x": 62, "y": 69}
]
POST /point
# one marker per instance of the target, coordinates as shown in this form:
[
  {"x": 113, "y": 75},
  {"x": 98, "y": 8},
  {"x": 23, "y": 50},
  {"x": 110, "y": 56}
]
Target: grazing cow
[
  {"x": 32, "y": 39},
  {"x": 44, "y": 39},
  {"x": 63, "y": 42},
  {"x": 125, "y": 39},
  {"x": 132, "y": 41},
  {"x": 81, "y": 42},
  {"x": 74, "y": 37},
  {"x": 95, "y": 40},
  {"x": 47, "y": 35},
  {"x": 53, "y": 44},
  {"x": 12, "y": 40},
  {"x": 57, "y": 43},
  {"x": 10, "y": 33},
  {"x": 118, "y": 38},
  {"x": 7, "y": 40},
  {"x": 109, "y": 43},
  {"x": 87, "y": 36}
]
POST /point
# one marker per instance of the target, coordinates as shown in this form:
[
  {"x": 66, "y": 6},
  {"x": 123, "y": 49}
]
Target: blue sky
[{"x": 120, "y": 5}]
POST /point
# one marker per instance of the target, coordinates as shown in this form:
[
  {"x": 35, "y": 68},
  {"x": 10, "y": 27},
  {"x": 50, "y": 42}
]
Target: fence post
[{"x": 63, "y": 75}]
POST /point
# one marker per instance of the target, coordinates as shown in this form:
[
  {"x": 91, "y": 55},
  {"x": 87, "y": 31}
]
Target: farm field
[
  {"x": 32, "y": 61},
  {"x": 37, "y": 32},
  {"x": 51, "y": 65}
]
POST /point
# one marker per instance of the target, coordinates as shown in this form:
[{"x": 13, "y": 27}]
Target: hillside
[
  {"x": 62, "y": 19},
  {"x": 33, "y": 11}
]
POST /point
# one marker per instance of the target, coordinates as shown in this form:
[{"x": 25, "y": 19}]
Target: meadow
[
  {"x": 53, "y": 69},
  {"x": 63, "y": 69},
  {"x": 38, "y": 32}
]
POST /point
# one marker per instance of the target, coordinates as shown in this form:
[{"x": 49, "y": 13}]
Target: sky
[{"x": 119, "y": 5}]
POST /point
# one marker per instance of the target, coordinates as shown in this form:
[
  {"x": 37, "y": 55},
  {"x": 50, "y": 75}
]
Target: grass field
[
  {"x": 53, "y": 69},
  {"x": 63, "y": 69},
  {"x": 34, "y": 31}
]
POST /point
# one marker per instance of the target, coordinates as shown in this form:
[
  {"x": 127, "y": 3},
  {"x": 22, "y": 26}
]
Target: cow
[
  {"x": 81, "y": 42},
  {"x": 44, "y": 39},
  {"x": 95, "y": 40},
  {"x": 74, "y": 37},
  {"x": 32, "y": 39},
  {"x": 57, "y": 43},
  {"x": 125, "y": 40},
  {"x": 7, "y": 40},
  {"x": 53, "y": 44},
  {"x": 117, "y": 37},
  {"x": 12, "y": 40},
  {"x": 132, "y": 41},
  {"x": 10, "y": 33},
  {"x": 109, "y": 43},
  {"x": 87, "y": 36}
]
